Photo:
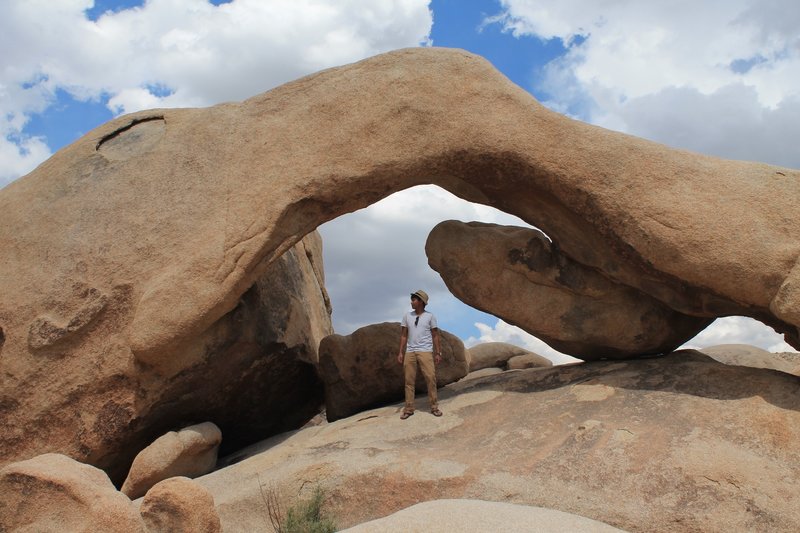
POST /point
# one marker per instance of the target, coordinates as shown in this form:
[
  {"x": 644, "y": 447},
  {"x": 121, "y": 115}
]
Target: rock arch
[{"x": 173, "y": 214}]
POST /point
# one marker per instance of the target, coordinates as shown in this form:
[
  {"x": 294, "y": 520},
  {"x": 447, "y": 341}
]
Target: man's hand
[
  {"x": 400, "y": 358},
  {"x": 437, "y": 358}
]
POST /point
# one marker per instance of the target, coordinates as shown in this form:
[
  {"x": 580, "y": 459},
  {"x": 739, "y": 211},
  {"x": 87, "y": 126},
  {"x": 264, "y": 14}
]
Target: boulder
[
  {"x": 190, "y": 452},
  {"x": 746, "y": 355},
  {"x": 677, "y": 443},
  {"x": 497, "y": 354},
  {"x": 252, "y": 373},
  {"x": 179, "y": 505},
  {"x": 528, "y": 360},
  {"x": 125, "y": 249},
  {"x": 526, "y": 280},
  {"x": 360, "y": 370},
  {"x": 476, "y": 516},
  {"x": 53, "y": 493}
]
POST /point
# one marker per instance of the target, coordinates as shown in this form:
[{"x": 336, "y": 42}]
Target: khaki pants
[{"x": 425, "y": 361}]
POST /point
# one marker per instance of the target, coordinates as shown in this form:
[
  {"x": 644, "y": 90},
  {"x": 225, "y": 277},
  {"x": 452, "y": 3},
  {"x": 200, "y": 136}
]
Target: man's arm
[
  {"x": 437, "y": 348},
  {"x": 403, "y": 340}
]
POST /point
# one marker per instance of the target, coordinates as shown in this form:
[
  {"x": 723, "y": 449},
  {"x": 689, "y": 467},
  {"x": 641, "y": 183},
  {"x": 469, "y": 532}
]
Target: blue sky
[{"x": 717, "y": 77}]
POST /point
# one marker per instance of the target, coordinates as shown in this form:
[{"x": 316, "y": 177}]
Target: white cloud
[
  {"x": 178, "y": 53},
  {"x": 631, "y": 65},
  {"x": 503, "y": 332},
  {"x": 17, "y": 158},
  {"x": 739, "y": 330}
]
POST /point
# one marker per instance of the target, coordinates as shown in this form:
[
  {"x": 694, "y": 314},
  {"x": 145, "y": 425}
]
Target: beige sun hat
[{"x": 422, "y": 295}]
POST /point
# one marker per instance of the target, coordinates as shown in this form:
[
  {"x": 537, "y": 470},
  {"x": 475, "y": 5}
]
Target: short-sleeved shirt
[{"x": 419, "y": 331}]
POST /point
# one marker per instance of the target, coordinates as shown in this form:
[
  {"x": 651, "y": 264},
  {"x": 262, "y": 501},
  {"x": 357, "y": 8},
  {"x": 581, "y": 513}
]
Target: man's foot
[
  {"x": 436, "y": 412},
  {"x": 405, "y": 415}
]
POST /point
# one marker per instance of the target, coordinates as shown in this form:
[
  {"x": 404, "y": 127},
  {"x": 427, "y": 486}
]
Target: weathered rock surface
[
  {"x": 360, "y": 370},
  {"x": 520, "y": 276},
  {"x": 252, "y": 373},
  {"x": 476, "y": 516},
  {"x": 679, "y": 443},
  {"x": 179, "y": 505},
  {"x": 497, "y": 354},
  {"x": 190, "y": 452},
  {"x": 125, "y": 248},
  {"x": 746, "y": 355},
  {"x": 53, "y": 493}
]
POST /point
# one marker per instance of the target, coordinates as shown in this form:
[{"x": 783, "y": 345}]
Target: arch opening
[{"x": 375, "y": 256}]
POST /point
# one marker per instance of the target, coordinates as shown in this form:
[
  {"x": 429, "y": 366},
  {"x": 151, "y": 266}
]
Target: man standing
[{"x": 419, "y": 344}]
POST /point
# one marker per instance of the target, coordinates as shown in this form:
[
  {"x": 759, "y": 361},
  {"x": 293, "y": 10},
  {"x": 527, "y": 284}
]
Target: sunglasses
[{"x": 416, "y": 321}]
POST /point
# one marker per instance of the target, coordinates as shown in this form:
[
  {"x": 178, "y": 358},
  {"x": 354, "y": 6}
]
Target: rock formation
[
  {"x": 190, "y": 452},
  {"x": 497, "y": 354},
  {"x": 360, "y": 370},
  {"x": 131, "y": 249},
  {"x": 252, "y": 373},
  {"x": 54, "y": 493},
  {"x": 523, "y": 278},
  {"x": 679, "y": 443}
]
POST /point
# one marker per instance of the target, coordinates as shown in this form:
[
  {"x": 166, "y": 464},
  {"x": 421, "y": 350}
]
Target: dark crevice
[{"x": 123, "y": 129}]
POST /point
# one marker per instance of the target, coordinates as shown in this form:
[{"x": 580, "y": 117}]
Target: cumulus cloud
[
  {"x": 179, "y": 53},
  {"x": 714, "y": 77}
]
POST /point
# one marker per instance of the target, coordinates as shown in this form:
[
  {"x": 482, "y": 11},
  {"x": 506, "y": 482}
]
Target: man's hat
[{"x": 422, "y": 295}]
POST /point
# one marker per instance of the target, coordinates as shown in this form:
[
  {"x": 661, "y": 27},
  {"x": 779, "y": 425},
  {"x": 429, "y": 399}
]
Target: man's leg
[
  {"x": 410, "y": 374},
  {"x": 429, "y": 371}
]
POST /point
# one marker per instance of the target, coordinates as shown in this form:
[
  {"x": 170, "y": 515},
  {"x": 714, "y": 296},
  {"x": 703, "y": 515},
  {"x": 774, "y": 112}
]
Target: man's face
[{"x": 416, "y": 303}]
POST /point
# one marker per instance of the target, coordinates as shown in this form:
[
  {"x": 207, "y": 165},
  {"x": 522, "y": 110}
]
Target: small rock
[
  {"x": 190, "y": 452},
  {"x": 179, "y": 505}
]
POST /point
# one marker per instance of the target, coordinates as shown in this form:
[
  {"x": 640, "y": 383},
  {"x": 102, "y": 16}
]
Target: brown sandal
[
  {"x": 436, "y": 412},
  {"x": 405, "y": 415}
]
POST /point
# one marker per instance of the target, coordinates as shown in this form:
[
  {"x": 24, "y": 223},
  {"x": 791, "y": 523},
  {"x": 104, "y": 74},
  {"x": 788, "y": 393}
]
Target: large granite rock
[
  {"x": 252, "y": 373},
  {"x": 126, "y": 248},
  {"x": 520, "y": 276},
  {"x": 190, "y": 452},
  {"x": 679, "y": 443},
  {"x": 52, "y": 493},
  {"x": 360, "y": 370},
  {"x": 477, "y": 516}
]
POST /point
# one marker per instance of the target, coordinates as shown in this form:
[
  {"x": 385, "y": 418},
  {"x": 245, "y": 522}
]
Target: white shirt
[{"x": 419, "y": 331}]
